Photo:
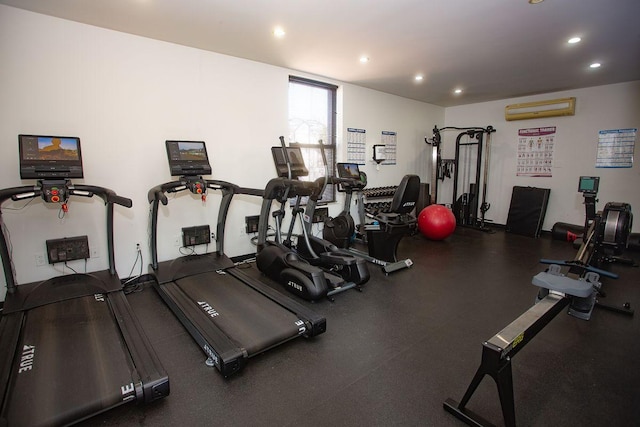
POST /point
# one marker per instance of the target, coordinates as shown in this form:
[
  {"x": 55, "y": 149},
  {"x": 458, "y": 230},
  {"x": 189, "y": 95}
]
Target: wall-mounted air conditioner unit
[{"x": 535, "y": 110}]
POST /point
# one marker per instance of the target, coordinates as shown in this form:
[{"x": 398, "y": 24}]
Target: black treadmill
[
  {"x": 70, "y": 346},
  {"x": 231, "y": 315}
]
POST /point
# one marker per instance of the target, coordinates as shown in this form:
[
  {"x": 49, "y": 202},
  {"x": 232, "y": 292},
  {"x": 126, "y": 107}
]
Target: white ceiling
[{"x": 492, "y": 49}]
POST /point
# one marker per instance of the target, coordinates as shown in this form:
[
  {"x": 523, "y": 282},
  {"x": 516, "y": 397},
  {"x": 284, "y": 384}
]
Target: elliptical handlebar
[{"x": 286, "y": 156}]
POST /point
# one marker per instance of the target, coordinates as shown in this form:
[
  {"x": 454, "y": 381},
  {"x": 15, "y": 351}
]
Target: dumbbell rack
[{"x": 377, "y": 200}]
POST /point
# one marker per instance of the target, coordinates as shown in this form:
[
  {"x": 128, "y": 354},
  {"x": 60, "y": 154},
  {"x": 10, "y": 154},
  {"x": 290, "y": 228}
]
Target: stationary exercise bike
[{"x": 386, "y": 228}]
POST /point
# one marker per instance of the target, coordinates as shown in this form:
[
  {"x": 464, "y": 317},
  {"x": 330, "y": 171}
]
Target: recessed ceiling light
[
  {"x": 535, "y": 1},
  {"x": 364, "y": 59},
  {"x": 279, "y": 32},
  {"x": 419, "y": 77},
  {"x": 574, "y": 40},
  {"x": 595, "y": 65},
  {"x": 457, "y": 91}
]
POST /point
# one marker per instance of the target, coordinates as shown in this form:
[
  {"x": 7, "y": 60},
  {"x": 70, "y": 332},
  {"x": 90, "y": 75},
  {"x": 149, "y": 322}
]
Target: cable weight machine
[{"x": 470, "y": 171}]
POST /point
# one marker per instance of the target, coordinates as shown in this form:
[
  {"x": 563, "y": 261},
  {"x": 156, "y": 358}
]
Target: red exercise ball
[{"x": 436, "y": 222}]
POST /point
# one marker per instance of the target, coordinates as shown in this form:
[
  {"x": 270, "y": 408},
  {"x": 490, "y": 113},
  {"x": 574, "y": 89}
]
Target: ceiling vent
[{"x": 540, "y": 109}]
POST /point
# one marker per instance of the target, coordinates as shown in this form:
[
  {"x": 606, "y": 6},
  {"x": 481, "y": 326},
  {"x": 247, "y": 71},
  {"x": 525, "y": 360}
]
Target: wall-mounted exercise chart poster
[
  {"x": 390, "y": 141},
  {"x": 356, "y": 146},
  {"x": 535, "y": 151},
  {"x": 615, "y": 148}
]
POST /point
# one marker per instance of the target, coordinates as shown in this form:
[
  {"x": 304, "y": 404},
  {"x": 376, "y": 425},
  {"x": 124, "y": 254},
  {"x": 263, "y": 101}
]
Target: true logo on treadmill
[
  {"x": 294, "y": 285},
  {"x": 208, "y": 309},
  {"x": 128, "y": 392},
  {"x": 408, "y": 204},
  {"x": 301, "y": 327},
  {"x": 26, "y": 360},
  {"x": 211, "y": 354}
]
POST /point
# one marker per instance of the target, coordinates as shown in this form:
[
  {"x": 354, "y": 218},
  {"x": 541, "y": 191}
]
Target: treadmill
[
  {"x": 231, "y": 315},
  {"x": 70, "y": 346}
]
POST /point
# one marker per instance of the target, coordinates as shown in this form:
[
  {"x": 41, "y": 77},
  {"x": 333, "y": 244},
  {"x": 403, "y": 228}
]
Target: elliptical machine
[{"x": 311, "y": 268}]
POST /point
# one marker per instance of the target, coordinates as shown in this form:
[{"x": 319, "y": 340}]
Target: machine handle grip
[
  {"x": 119, "y": 200},
  {"x": 109, "y": 196},
  {"x": 19, "y": 193},
  {"x": 158, "y": 192}
]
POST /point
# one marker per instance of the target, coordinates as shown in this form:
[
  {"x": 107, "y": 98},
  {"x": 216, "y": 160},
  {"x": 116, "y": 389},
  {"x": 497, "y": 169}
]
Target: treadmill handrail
[
  {"x": 157, "y": 195},
  {"x": 81, "y": 190}
]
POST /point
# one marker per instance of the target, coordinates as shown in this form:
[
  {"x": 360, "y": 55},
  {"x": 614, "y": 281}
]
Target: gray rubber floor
[{"x": 393, "y": 353}]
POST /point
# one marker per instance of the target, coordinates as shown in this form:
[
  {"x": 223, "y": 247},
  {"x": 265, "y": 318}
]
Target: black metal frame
[
  {"x": 226, "y": 355},
  {"x": 151, "y": 381},
  {"x": 497, "y": 353},
  {"x": 470, "y": 216}
]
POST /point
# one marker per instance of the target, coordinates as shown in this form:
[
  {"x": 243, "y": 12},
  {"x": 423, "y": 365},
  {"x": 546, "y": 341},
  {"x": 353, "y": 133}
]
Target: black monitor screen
[
  {"x": 298, "y": 167},
  {"x": 588, "y": 184},
  {"x": 49, "y": 157},
  {"x": 348, "y": 170},
  {"x": 188, "y": 158}
]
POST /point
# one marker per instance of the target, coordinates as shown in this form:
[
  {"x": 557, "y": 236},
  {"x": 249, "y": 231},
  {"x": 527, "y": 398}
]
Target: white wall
[
  {"x": 125, "y": 95},
  {"x": 598, "y": 108}
]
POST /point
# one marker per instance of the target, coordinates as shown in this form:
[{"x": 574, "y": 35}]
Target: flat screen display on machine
[
  {"x": 298, "y": 167},
  {"x": 588, "y": 184},
  {"x": 348, "y": 170},
  {"x": 49, "y": 157},
  {"x": 188, "y": 158}
]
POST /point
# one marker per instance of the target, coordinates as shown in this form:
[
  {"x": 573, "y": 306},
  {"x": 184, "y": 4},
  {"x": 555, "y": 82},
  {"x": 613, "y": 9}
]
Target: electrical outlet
[
  {"x": 138, "y": 246},
  {"x": 40, "y": 259},
  {"x": 177, "y": 241},
  {"x": 94, "y": 252}
]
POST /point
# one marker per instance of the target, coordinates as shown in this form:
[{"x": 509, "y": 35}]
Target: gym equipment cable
[{"x": 465, "y": 205}]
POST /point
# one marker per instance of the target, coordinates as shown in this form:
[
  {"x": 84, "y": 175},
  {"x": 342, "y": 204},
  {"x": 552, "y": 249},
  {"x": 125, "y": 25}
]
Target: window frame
[{"x": 330, "y": 146}]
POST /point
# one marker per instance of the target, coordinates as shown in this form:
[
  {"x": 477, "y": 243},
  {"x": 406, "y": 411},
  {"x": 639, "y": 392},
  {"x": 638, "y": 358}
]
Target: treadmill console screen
[
  {"x": 348, "y": 170},
  {"x": 298, "y": 167},
  {"x": 188, "y": 158},
  {"x": 588, "y": 184},
  {"x": 49, "y": 157}
]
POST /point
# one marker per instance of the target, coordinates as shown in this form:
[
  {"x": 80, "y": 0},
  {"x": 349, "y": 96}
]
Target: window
[{"x": 312, "y": 113}]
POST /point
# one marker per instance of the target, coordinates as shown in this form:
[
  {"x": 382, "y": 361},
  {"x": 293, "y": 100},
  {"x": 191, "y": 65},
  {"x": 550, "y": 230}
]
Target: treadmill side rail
[
  {"x": 154, "y": 381},
  {"x": 227, "y": 357},
  {"x": 315, "y": 323}
]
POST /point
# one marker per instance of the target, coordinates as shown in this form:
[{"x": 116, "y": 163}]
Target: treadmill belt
[
  {"x": 73, "y": 364},
  {"x": 250, "y": 319}
]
